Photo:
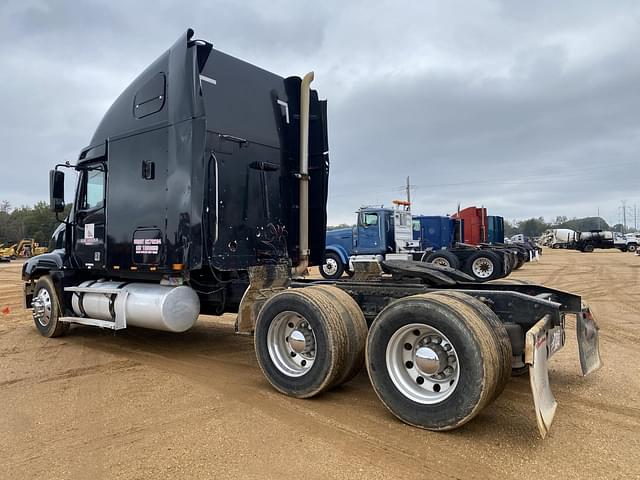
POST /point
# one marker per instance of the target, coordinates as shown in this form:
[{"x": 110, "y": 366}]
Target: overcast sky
[{"x": 528, "y": 108}]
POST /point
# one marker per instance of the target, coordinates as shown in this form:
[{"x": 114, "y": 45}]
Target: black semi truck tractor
[{"x": 204, "y": 190}]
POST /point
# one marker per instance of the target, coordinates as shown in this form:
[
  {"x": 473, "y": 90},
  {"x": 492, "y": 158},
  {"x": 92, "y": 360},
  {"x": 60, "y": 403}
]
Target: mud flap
[
  {"x": 264, "y": 282},
  {"x": 536, "y": 354},
  {"x": 588, "y": 341}
]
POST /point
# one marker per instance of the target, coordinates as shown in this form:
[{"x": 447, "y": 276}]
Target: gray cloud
[{"x": 529, "y": 108}]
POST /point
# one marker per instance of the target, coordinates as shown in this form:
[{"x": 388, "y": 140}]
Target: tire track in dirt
[
  {"x": 291, "y": 411},
  {"x": 111, "y": 367}
]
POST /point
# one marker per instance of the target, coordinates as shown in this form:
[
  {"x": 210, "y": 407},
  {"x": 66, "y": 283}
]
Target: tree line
[
  {"x": 534, "y": 227},
  {"x": 37, "y": 222}
]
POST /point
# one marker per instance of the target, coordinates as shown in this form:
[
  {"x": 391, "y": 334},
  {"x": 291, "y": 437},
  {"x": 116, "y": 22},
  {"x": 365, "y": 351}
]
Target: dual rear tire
[
  {"x": 471, "y": 359},
  {"x": 309, "y": 340},
  {"x": 483, "y": 265},
  {"x": 435, "y": 360}
]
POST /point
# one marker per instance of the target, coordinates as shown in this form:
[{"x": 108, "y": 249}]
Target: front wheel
[
  {"x": 332, "y": 268},
  {"x": 46, "y": 309},
  {"x": 632, "y": 247}
]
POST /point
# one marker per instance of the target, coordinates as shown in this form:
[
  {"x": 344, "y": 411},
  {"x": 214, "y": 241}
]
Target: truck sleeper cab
[{"x": 204, "y": 190}]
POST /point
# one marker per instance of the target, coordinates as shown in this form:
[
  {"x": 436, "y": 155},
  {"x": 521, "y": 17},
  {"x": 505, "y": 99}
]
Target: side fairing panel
[{"x": 253, "y": 155}]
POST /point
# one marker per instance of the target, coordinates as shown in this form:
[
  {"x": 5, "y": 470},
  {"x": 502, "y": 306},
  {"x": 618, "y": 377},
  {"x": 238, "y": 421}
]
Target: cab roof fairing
[{"x": 180, "y": 64}]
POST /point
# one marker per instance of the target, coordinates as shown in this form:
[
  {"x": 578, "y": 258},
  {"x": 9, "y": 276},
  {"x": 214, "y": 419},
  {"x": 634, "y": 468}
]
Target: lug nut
[
  {"x": 409, "y": 364},
  {"x": 448, "y": 371},
  {"x": 437, "y": 340},
  {"x": 420, "y": 380},
  {"x": 408, "y": 346},
  {"x": 446, "y": 347}
]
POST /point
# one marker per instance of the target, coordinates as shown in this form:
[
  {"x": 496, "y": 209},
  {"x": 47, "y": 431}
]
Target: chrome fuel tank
[{"x": 147, "y": 305}]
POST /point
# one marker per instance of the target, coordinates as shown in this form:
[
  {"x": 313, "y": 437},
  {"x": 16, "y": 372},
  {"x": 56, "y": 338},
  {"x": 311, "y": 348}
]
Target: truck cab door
[
  {"x": 89, "y": 238},
  {"x": 368, "y": 231}
]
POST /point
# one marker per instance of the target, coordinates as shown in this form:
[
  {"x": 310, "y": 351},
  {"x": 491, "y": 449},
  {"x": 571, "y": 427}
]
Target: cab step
[{"x": 94, "y": 322}]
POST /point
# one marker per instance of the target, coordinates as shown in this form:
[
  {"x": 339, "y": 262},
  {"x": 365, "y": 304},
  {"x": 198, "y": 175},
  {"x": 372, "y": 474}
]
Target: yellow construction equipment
[{"x": 27, "y": 247}]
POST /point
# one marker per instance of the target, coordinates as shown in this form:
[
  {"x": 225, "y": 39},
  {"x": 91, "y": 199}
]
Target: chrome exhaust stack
[{"x": 303, "y": 262}]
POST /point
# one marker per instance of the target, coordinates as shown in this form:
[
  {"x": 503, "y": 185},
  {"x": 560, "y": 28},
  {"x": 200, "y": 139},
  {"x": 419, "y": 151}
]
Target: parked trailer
[{"x": 204, "y": 190}]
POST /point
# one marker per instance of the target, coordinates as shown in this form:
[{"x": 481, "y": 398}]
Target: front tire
[
  {"x": 332, "y": 268},
  {"x": 46, "y": 309},
  {"x": 431, "y": 365}
]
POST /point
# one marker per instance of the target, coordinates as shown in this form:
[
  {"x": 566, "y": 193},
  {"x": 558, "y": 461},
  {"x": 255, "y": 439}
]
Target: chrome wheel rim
[
  {"x": 42, "y": 307},
  {"x": 291, "y": 344},
  {"x": 330, "y": 266},
  {"x": 422, "y": 363},
  {"x": 441, "y": 261},
  {"x": 482, "y": 267}
]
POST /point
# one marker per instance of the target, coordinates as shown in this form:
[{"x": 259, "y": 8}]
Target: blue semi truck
[
  {"x": 393, "y": 234},
  {"x": 379, "y": 234}
]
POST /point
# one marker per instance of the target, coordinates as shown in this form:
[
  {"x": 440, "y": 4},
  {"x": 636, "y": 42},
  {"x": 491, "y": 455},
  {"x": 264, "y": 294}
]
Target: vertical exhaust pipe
[{"x": 303, "y": 263}]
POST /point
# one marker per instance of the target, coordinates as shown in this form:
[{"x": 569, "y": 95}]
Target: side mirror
[{"x": 56, "y": 191}]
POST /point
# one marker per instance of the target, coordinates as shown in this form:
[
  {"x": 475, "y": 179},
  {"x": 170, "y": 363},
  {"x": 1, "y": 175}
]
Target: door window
[
  {"x": 369, "y": 219},
  {"x": 94, "y": 190}
]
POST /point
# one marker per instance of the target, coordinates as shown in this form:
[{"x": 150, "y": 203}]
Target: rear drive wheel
[
  {"x": 332, "y": 268},
  {"x": 352, "y": 317},
  {"x": 431, "y": 365},
  {"x": 302, "y": 342},
  {"x": 443, "y": 258},
  {"x": 46, "y": 309},
  {"x": 483, "y": 266},
  {"x": 472, "y": 306}
]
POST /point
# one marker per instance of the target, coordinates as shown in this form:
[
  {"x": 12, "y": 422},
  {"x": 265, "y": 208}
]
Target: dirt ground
[{"x": 145, "y": 404}]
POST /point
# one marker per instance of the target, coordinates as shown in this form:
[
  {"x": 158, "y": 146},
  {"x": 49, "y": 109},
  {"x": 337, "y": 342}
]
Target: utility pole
[
  {"x": 599, "y": 225},
  {"x": 409, "y": 192},
  {"x": 624, "y": 216},
  {"x": 635, "y": 217}
]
